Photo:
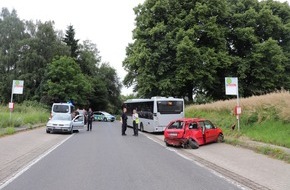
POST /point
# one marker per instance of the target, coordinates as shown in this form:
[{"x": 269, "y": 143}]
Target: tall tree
[
  {"x": 70, "y": 40},
  {"x": 105, "y": 83},
  {"x": 64, "y": 81},
  {"x": 110, "y": 78},
  {"x": 12, "y": 31},
  {"x": 35, "y": 53},
  {"x": 181, "y": 46},
  {"x": 89, "y": 58},
  {"x": 51, "y": 70}
]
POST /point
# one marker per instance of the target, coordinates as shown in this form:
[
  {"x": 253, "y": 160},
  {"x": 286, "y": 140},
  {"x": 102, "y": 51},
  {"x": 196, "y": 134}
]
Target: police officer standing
[
  {"x": 124, "y": 121},
  {"x": 135, "y": 122},
  {"x": 90, "y": 119}
]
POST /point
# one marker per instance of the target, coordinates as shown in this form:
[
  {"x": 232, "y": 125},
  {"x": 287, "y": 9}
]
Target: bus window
[{"x": 169, "y": 107}]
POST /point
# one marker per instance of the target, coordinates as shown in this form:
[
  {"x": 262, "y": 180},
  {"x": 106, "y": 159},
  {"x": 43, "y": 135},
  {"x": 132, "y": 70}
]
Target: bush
[{"x": 10, "y": 130}]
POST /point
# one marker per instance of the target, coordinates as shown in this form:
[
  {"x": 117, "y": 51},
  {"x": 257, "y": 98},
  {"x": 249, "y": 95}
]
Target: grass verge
[
  {"x": 276, "y": 153},
  {"x": 264, "y": 119},
  {"x": 25, "y": 114}
]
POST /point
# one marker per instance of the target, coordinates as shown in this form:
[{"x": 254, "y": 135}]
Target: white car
[
  {"x": 103, "y": 116},
  {"x": 63, "y": 122}
]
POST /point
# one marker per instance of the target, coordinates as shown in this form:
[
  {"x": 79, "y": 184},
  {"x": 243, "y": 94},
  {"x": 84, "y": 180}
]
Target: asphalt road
[{"x": 103, "y": 159}]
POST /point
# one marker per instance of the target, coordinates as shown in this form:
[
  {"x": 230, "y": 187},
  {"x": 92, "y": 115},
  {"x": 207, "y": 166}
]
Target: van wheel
[
  {"x": 47, "y": 131},
  {"x": 105, "y": 119},
  {"x": 141, "y": 127},
  {"x": 220, "y": 138},
  {"x": 193, "y": 144}
]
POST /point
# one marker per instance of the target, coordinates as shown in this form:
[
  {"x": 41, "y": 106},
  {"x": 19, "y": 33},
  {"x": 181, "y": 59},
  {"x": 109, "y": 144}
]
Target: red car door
[
  {"x": 210, "y": 132},
  {"x": 196, "y": 132}
]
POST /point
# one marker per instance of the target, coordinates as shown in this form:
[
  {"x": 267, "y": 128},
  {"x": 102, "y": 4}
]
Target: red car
[{"x": 192, "y": 132}]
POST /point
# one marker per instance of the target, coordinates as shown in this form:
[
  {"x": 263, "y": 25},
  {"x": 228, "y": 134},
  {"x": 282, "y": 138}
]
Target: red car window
[
  {"x": 176, "y": 125},
  {"x": 208, "y": 125},
  {"x": 193, "y": 125}
]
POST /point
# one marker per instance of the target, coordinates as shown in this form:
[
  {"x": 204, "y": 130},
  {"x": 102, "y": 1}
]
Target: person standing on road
[
  {"x": 85, "y": 115},
  {"x": 90, "y": 119},
  {"x": 124, "y": 121},
  {"x": 135, "y": 122}
]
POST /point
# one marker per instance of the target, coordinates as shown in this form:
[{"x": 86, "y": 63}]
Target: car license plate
[{"x": 173, "y": 134}]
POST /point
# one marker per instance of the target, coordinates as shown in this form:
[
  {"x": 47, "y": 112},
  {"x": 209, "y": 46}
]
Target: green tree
[
  {"x": 113, "y": 85},
  {"x": 89, "y": 59},
  {"x": 51, "y": 70},
  {"x": 25, "y": 50},
  {"x": 70, "y": 41},
  {"x": 35, "y": 53},
  {"x": 253, "y": 26},
  {"x": 64, "y": 82},
  {"x": 12, "y": 30},
  {"x": 185, "y": 46},
  {"x": 105, "y": 83}
]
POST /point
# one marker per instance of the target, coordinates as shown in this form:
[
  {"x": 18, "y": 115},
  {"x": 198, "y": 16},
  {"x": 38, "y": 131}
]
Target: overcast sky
[{"x": 107, "y": 23}]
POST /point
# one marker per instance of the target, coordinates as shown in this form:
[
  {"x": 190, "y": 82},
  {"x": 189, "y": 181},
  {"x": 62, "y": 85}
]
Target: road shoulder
[
  {"x": 246, "y": 167},
  {"x": 22, "y": 148}
]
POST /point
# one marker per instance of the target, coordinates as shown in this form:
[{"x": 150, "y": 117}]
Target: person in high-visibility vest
[{"x": 135, "y": 122}]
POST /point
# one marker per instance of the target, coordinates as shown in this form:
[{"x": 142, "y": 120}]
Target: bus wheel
[{"x": 141, "y": 127}]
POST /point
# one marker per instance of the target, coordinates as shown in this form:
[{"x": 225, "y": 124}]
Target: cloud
[{"x": 107, "y": 23}]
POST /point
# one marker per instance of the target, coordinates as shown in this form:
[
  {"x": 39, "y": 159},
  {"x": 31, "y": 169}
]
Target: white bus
[{"x": 155, "y": 113}]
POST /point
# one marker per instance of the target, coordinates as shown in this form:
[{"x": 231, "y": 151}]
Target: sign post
[
  {"x": 232, "y": 88},
  {"x": 17, "y": 88}
]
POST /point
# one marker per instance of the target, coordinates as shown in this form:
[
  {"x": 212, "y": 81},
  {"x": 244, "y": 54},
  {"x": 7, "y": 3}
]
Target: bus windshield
[{"x": 169, "y": 107}]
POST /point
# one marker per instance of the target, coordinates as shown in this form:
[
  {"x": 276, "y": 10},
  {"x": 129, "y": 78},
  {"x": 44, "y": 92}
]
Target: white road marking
[
  {"x": 199, "y": 164},
  {"x": 29, "y": 165}
]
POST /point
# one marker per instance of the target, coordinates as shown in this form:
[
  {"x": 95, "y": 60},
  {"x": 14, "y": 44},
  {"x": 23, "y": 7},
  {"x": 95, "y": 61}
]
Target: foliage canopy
[
  {"x": 183, "y": 47},
  {"x": 54, "y": 66}
]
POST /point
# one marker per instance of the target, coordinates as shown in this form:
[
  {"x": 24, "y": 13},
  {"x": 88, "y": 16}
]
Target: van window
[{"x": 62, "y": 108}]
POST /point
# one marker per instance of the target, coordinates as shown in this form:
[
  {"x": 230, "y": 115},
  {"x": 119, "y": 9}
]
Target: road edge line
[
  {"x": 30, "y": 164},
  {"x": 197, "y": 160}
]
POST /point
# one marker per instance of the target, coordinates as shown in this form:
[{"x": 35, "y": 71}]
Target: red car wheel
[{"x": 193, "y": 144}]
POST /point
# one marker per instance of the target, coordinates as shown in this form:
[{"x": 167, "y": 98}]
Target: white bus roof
[{"x": 152, "y": 99}]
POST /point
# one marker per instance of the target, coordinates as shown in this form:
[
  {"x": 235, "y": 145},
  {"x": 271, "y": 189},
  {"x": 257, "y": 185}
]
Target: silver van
[{"x": 61, "y": 108}]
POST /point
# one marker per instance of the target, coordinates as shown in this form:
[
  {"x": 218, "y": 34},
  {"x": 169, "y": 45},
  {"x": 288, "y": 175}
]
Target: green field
[{"x": 264, "y": 118}]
